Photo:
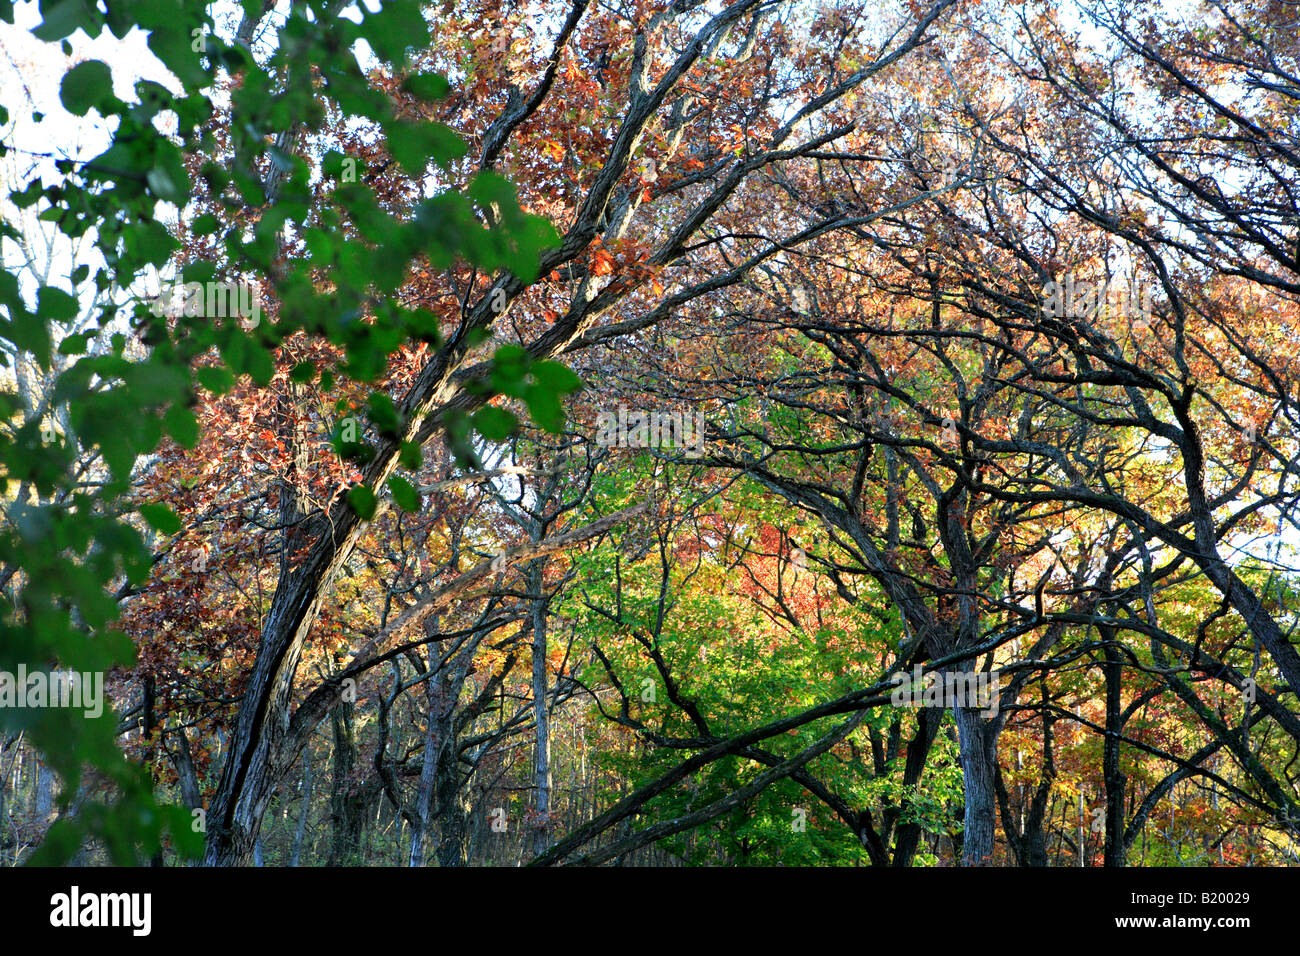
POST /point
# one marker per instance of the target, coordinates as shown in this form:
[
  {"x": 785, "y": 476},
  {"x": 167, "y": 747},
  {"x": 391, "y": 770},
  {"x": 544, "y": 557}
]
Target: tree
[
  {"x": 119, "y": 403},
  {"x": 665, "y": 432}
]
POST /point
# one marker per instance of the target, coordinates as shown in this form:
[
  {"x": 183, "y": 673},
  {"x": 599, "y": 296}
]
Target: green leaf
[
  {"x": 397, "y": 27},
  {"x": 509, "y": 368},
  {"x": 151, "y": 242},
  {"x": 56, "y": 305},
  {"x": 173, "y": 44},
  {"x": 85, "y": 86},
  {"x": 259, "y": 365},
  {"x": 181, "y": 824},
  {"x": 545, "y": 409},
  {"x": 205, "y": 225},
  {"x": 384, "y": 413},
  {"x": 75, "y": 344},
  {"x": 428, "y": 86},
  {"x": 181, "y": 424},
  {"x": 161, "y": 517},
  {"x": 406, "y": 496},
  {"x": 61, "y": 19},
  {"x": 411, "y": 456},
  {"x": 495, "y": 423},
  {"x": 556, "y": 377},
  {"x": 413, "y": 145},
  {"x": 362, "y": 500},
  {"x": 215, "y": 378}
]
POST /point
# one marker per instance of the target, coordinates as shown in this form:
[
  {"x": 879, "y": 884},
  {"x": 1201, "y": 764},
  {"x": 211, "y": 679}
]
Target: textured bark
[
  {"x": 541, "y": 711},
  {"x": 44, "y": 791},
  {"x": 1113, "y": 778},
  {"x": 348, "y": 803},
  {"x": 304, "y": 808},
  {"x": 453, "y": 818},
  {"x": 428, "y": 769},
  {"x": 978, "y": 765},
  {"x": 186, "y": 773},
  {"x": 441, "y": 692}
]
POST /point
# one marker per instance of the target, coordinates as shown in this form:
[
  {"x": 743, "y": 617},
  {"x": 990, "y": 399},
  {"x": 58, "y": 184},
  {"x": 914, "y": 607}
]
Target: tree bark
[
  {"x": 439, "y": 702},
  {"x": 347, "y": 802},
  {"x": 1113, "y": 778},
  {"x": 541, "y": 711},
  {"x": 304, "y": 808},
  {"x": 978, "y": 763}
]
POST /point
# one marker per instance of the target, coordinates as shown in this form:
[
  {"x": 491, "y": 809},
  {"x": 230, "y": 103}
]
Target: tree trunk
[
  {"x": 44, "y": 792},
  {"x": 437, "y": 707},
  {"x": 541, "y": 713},
  {"x": 453, "y": 823},
  {"x": 978, "y": 760},
  {"x": 1028, "y": 838},
  {"x": 1113, "y": 777},
  {"x": 347, "y": 802},
  {"x": 304, "y": 808},
  {"x": 908, "y": 836}
]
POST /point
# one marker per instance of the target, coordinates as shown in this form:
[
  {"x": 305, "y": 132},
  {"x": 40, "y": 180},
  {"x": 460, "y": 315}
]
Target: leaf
[
  {"x": 428, "y": 86},
  {"x": 411, "y": 455},
  {"x": 362, "y": 500},
  {"x": 61, "y": 19},
  {"x": 151, "y": 242},
  {"x": 509, "y": 368},
  {"x": 545, "y": 409},
  {"x": 161, "y": 518},
  {"x": 180, "y": 823},
  {"x": 181, "y": 424},
  {"x": 413, "y": 145},
  {"x": 495, "y": 424},
  {"x": 396, "y": 28},
  {"x": 407, "y": 498},
  {"x": 215, "y": 378},
  {"x": 85, "y": 86},
  {"x": 556, "y": 377},
  {"x": 384, "y": 414}
]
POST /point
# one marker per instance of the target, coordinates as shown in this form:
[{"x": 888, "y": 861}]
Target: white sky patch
[
  {"x": 32, "y": 70},
  {"x": 31, "y": 74}
]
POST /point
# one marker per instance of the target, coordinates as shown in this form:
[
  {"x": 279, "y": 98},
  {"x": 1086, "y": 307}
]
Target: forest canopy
[{"x": 743, "y": 433}]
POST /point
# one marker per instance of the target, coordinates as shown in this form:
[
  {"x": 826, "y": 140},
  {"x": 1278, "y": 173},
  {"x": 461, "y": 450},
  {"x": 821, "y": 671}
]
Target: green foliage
[
  {"x": 69, "y": 548},
  {"x": 84, "y": 86},
  {"x": 741, "y": 671}
]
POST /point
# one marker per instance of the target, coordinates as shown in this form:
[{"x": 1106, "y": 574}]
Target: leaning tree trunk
[{"x": 259, "y": 757}]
